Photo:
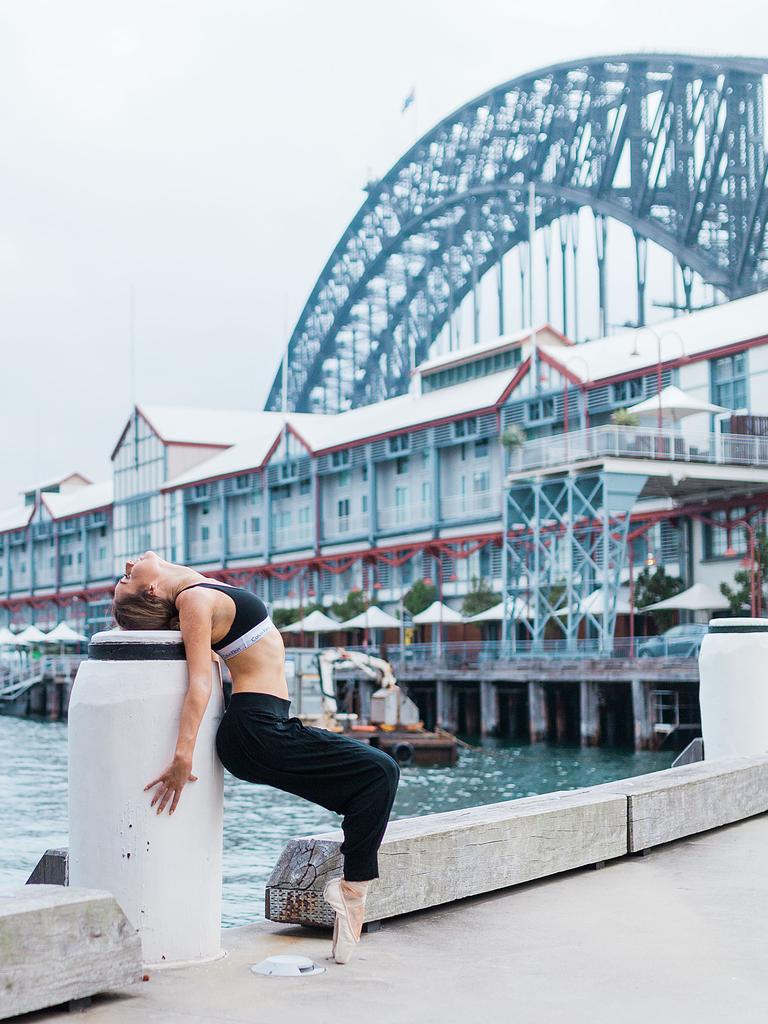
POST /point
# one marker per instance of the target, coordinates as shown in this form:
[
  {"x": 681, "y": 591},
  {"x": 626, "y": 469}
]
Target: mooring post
[
  {"x": 164, "y": 870},
  {"x": 733, "y": 694}
]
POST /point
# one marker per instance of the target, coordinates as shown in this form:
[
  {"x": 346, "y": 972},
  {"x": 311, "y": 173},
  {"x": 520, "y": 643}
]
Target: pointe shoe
[{"x": 349, "y": 920}]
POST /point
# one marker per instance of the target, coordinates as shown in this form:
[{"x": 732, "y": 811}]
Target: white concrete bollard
[
  {"x": 733, "y": 688},
  {"x": 164, "y": 871}
]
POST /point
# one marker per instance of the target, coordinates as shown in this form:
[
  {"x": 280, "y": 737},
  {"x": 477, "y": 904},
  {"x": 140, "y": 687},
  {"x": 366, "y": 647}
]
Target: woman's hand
[{"x": 173, "y": 779}]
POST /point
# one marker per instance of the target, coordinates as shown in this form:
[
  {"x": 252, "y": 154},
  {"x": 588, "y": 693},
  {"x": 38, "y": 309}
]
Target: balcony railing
[
  {"x": 292, "y": 536},
  {"x": 458, "y": 506},
  {"x": 203, "y": 549},
  {"x": 244, "y": 543},
  {"x": 488, "y": 652},
  {"x": 639, "y": 443},
  {"x": 405, "y": 515},
  {"x": 343, "y": 526}
]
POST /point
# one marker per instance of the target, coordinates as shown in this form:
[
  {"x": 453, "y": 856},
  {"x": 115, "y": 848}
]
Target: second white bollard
[
  {"x": 165, "y": 871},
  {"x": 733, "y": 688}
]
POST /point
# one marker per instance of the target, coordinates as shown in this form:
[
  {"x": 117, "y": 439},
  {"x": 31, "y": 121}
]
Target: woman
[{"x": 256, "y": 740}]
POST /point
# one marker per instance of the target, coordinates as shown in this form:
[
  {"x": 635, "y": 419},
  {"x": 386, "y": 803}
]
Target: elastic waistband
[{"x": 267, "y": 703}]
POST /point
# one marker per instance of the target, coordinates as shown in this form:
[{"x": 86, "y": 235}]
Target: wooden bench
[
  {"x": 436, "y": 858},
  {"x": 60, "y": 945}
]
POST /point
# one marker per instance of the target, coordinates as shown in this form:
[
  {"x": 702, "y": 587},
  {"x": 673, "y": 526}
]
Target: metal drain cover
[{"x": 287, "y": 966}]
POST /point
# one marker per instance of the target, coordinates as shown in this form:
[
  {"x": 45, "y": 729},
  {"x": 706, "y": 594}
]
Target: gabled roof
[
  {"x": 84, "y": 499},
  {"x": 15, "y": 518},
  {"x": 74, "y": 479},
  {"x": 406, "y": 411},
  {"x": 216, "y": 428},
  {"x": 695, "y": 334},
  {"x": 546, "y": 334}
]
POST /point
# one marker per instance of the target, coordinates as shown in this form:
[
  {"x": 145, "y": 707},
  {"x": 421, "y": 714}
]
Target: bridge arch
[{"x": 668, "y": 144}]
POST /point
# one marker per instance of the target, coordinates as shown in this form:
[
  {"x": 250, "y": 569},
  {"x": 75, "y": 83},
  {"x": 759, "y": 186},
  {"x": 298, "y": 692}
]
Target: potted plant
[
  {"x": 625, "y": 418},
  {"x": 512, "y": 437}
]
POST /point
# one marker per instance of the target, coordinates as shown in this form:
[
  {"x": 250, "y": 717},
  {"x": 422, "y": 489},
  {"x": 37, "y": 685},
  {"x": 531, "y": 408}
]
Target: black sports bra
[{"x": 250, "y": 624}]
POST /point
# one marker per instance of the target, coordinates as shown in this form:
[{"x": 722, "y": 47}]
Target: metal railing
[
  {"x": 405, "y": 515},
  {"x": 454, "y": 506},
  {"x": 340, "y": 526},
  {"x": 639, "y": 443},
  {"x": 197, "y": 549},
  {"x": 470, "y": 653},
  {"x": 244, "y": 543},
  {"x": 19, "y": 670},
  {"x": 291, "y": 536}
]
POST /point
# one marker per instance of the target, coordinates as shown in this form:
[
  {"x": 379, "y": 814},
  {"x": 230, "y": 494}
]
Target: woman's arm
[{"x": 195, "y": 624}]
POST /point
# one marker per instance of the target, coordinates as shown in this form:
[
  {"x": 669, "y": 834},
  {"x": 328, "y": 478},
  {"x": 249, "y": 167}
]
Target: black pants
[{"x": 258, "y": 742}]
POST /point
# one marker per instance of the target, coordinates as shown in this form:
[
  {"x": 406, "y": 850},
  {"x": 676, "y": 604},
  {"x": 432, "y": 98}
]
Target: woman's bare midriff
[{"x": 261, "y": 668}]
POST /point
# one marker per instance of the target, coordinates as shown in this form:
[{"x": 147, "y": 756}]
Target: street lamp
[{"x": 659, "y": 338}]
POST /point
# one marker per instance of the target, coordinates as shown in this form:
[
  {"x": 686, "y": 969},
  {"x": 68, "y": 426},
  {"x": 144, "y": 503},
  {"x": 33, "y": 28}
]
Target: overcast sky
[{"x": 206, "y": 156}]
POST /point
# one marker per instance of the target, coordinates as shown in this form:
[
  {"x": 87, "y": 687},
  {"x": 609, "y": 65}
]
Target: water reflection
[{"x": 258, "y": 820}]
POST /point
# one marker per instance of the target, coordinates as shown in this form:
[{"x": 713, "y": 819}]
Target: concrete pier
[{"x": 677, "y": 935}]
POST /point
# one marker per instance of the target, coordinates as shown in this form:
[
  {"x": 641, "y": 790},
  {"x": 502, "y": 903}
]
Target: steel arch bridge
[{"x": 670, "y": 145}]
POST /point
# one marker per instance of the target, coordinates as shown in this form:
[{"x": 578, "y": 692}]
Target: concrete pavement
[{"x": 680, "y": 934}]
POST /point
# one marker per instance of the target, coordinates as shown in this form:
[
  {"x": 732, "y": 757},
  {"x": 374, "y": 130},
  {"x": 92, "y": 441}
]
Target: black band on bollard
[
  {"x": 137, "y": 652},
  {"x": 737, "y": 628}
]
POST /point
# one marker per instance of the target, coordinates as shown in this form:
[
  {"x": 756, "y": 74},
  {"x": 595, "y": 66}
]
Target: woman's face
[{"x": 139, "y": 574}]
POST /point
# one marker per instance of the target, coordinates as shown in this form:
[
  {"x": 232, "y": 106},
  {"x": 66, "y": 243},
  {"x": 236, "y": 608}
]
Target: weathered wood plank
[
  {"x": 437, "y": 858},
  {"x": 677, "y": 802},
  {"x": 59, "y": 944}
]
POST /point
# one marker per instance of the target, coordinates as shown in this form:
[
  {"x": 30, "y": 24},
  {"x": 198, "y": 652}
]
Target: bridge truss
[{"x": 670, "y": 145}]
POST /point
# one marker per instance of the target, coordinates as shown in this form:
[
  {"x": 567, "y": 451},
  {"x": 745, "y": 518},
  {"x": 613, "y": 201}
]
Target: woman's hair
[{"x": 145, "y": 610}]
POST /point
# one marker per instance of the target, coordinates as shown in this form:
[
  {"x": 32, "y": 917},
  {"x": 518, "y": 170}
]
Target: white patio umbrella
[
  {"x": 7, "y": 637},
  {"x": 520, "y": 610},
  {"x": 32, "y": 635},
  {"x": 697, "y": 598},
  {"x": 675, "y": 405},
  {"x": 594, "y": 603},
  {"x": 64, "y": 634},
  {"x": 371, "y": 618},
  {"x": 437, "y": 613},
  {"x": 315, "y": 622}
]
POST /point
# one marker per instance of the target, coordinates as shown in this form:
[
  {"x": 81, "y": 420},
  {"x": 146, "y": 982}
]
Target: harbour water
[{"x": 259, "y": 820}]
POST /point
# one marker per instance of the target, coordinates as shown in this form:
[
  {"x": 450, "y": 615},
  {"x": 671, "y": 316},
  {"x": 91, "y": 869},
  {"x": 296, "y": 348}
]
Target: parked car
[{"x": 680, "y": 642}]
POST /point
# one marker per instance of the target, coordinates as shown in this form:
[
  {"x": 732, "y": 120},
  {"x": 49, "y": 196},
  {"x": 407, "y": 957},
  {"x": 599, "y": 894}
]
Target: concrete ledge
[
  {"x": 59, "y": 944},
  {"x": 437, "y": 858},
  {"x": 677, "y": 802}
]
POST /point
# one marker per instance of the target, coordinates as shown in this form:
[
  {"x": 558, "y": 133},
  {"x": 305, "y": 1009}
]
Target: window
[
  {"x": 728, "y": 381},
  {"x": 340, "y": 458},
  {"x": 342, "y": 508},
  {"x": 481, "y": 481},
  {"x": 401, "y": 465},
  {"x": 464, "y": 428},
  {"x": 204, "y": 533},
  {"x": 287, "y": 470},
  {"x": 401, "y": 502},
  {"x": 627, "y": 391},
  {"x": 400, "y": 443},
  {"x": 255, "y": 524},
  {"x": 241, "y": 482},
  {"x": 305, "y": 485},
  {"x": 719, "y": 539},
  {"x": 304, "y": 516},
  {"x": 426, "y": 492},
  {"x": 364, "y": 503},
  {"x": 540, "y": 409},
  {"x": 365, "y": 471},
  {"x": 481, "y": 449},
  {"x": 343, "y": 478}
]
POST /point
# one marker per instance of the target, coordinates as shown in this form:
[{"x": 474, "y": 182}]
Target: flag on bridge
[{"x": 409, "y": 99}]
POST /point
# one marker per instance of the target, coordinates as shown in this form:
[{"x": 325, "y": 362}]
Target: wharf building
[{"x": 504, "y": 463}]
